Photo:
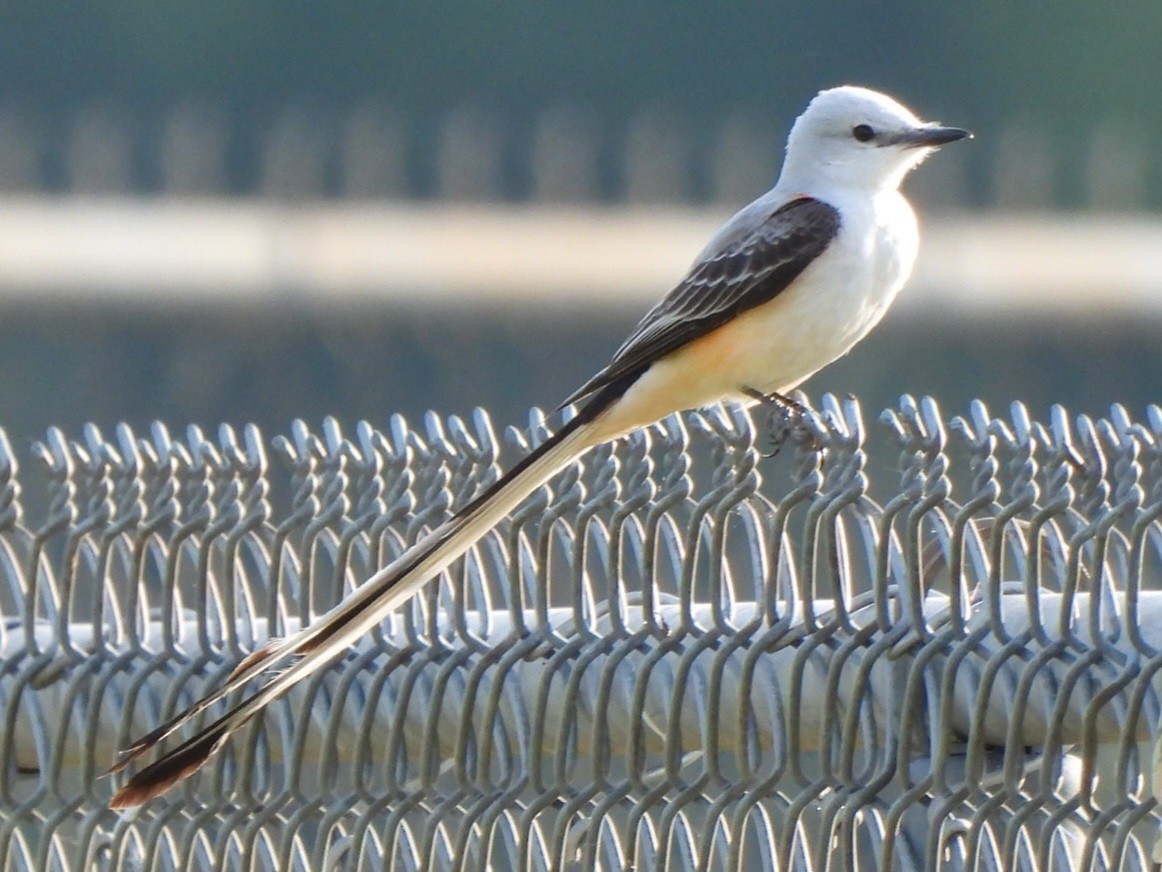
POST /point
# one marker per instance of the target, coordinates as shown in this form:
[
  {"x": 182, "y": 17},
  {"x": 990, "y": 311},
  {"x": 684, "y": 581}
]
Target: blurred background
[{"x": 263, "y": 210}]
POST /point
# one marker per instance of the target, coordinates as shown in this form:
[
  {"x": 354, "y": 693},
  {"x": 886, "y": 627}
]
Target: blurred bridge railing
[
  {"x": 679, "y": 655},
  {"x": 561, "y": 154}
]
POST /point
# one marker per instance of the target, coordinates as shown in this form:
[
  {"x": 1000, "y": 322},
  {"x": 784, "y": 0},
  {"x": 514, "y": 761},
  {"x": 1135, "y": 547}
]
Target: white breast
[
  {"x": 839, "y": 297},
  {"x": 836, "y": 300}
]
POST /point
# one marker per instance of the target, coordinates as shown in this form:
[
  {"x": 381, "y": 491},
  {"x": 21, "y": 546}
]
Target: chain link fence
[{"x": 679, "y": 655}]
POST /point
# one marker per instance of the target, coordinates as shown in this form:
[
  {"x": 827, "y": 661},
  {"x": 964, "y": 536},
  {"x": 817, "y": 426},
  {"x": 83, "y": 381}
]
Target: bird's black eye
[{"x": 863, "y": 133}]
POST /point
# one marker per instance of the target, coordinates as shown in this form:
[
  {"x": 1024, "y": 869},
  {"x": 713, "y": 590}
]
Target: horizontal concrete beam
[{"x": 159, "y": 251}]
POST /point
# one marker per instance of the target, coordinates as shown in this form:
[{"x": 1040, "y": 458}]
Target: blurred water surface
[{"x": 66, "y": 366}]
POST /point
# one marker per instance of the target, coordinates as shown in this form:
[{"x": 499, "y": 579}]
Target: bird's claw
[{"x": 786, "y": 417}]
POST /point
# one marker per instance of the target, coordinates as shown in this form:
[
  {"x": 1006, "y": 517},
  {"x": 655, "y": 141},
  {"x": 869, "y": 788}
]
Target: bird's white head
[{"x": 851, "y": 137}]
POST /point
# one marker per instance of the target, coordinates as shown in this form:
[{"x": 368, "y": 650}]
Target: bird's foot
[{"x": 787, "y": 417}]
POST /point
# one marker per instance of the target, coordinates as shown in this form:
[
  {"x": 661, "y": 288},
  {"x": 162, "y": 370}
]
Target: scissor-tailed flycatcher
[{"x": 787, "y": 285}]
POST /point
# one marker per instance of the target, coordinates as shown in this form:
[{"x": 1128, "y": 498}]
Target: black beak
[{"x": 931, "y": 136}]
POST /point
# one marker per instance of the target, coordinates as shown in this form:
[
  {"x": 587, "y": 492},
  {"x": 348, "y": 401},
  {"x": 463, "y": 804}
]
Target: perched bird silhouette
[{"x": 787, "y": 285}]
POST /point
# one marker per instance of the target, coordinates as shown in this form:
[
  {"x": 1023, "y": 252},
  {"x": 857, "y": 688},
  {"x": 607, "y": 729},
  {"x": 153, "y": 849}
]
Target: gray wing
[{"x": 746, "y": 273}]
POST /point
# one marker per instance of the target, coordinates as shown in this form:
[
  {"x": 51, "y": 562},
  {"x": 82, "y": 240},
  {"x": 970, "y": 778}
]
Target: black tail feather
[
  {"x": 152, "y": 738},
  {"x": 374, "y": 596},
  {"x": 159, "y": 777}
]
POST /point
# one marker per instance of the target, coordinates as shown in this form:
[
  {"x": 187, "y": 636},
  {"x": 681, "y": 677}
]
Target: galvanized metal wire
[{"x": 678, "y": 655}]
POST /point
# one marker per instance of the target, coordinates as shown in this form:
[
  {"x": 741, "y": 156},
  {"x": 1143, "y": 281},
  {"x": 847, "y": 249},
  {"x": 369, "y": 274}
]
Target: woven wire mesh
[{"x": 676, "y": 655}]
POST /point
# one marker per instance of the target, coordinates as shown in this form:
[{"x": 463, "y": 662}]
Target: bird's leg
[{"x": 786, "y": 415}]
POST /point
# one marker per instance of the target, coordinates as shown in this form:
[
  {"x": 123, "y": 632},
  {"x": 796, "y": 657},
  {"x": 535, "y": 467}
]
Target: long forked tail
[{"x": 332, "y": 634}]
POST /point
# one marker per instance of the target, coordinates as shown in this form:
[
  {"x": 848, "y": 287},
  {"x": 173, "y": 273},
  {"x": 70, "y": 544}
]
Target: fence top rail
[{"x": 368, "y": 492}]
